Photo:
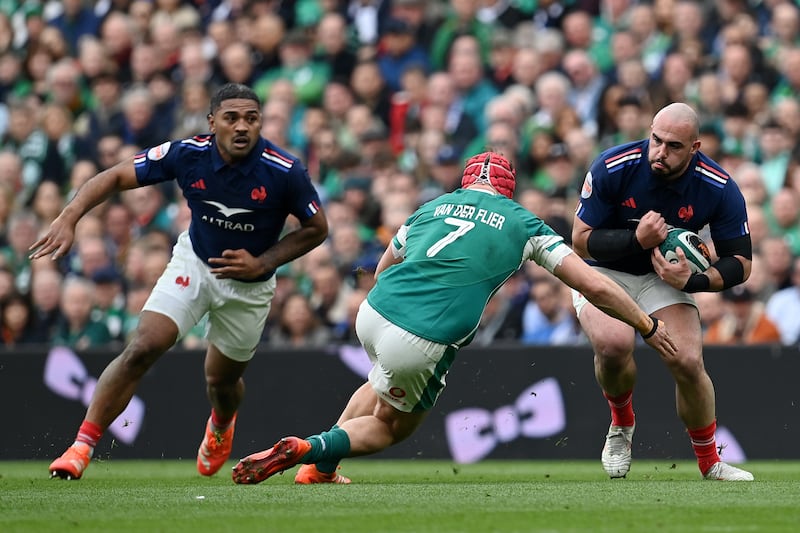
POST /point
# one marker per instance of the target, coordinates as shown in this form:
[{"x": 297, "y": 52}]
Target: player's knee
[
  {"x": 687, "y": 366},
  {"x": 612, "y": 350},
  {"x": 141, "y": 353}
]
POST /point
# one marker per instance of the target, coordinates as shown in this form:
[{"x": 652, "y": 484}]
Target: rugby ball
[{"x": 696, "y": 250}]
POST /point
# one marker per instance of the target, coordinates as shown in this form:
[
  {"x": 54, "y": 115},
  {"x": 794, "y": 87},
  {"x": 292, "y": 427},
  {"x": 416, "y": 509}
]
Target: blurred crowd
[{"x": 383, "y": 100}]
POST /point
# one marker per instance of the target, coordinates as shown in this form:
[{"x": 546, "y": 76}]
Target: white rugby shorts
[
  {"x": 237, "y": 311},
  {"x": 404, "y": 366},
  {"x": 647, "y": 290}
]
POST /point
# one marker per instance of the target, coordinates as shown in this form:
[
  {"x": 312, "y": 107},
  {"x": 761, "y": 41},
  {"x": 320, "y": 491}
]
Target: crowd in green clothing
[{"x": 383, "y": 101}]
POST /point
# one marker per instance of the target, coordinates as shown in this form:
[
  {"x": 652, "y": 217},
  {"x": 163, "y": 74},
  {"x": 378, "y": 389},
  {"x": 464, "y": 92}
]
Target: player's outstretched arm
[
  {"x": 58, "y": 239},
  {"x": 607, "y": 296}
]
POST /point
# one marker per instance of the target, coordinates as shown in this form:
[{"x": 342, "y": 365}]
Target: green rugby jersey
[{"x": 459, "y": 249}]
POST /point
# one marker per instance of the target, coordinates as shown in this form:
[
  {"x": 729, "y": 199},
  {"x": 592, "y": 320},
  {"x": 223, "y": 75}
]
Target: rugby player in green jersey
[{"x": 432, "y": 285}]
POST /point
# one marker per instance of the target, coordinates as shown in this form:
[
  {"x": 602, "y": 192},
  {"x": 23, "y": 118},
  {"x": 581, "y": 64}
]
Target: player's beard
[{"x": 667, "y": 173}]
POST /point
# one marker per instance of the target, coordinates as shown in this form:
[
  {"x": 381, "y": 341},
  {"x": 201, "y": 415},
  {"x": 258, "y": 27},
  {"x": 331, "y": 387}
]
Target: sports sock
[
  {"x": 328, "y": 467},
  {"x": 621, "y": 408},
  {"x": 328, "y": 446},
  {"x": 705, "y": 446},
  {"x": 218, "y": 423},
  {"x": 89, "y": 433}
]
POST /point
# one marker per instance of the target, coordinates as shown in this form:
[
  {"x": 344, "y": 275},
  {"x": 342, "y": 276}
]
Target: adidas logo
[
  {"x": 199, "y": 184},
  {"x": 630, "y": 202}
]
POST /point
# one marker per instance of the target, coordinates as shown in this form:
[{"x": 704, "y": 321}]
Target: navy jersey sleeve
[
  {"x": 157, "y": 164},
  {"x": 730, "y": 219},
  {"x": 595, "y": 206},
  {"x": 306, "y": 202}
]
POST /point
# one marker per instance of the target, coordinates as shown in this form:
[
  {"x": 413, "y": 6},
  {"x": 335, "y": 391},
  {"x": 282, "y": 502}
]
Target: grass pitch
[{"x": 402, "y": 496}]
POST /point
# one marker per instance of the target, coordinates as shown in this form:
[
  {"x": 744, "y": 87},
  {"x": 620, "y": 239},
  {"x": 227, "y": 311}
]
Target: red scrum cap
[{"x": 492, "y": 169}]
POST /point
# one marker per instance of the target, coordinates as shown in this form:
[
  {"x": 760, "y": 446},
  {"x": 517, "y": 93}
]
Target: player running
[
  {"x": 630, "y": 197},
  {"x": 240, "y": 188},
  {"x": 433, "y": 283}
]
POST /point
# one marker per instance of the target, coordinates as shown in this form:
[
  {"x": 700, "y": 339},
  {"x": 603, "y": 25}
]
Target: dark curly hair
[{"x": 230, "y": 91}]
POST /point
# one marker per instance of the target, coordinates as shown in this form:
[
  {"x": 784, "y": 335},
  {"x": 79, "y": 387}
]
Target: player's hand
[
  {"x": 239, "y": 264},
  {"x": 652, "y": 230},
  {"x": 662, "y": 342},
  {"x": 674, "y": 274},
  {"x": 56, "y": 242}
]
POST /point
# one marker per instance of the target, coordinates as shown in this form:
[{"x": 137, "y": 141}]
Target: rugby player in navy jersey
[
  {"x": 240, "y": 188},
  {"x": 630, "y": 196}
]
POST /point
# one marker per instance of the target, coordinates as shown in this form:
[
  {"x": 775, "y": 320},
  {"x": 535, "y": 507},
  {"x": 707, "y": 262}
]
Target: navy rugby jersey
[
  {"x": 241, "y": 206},
  {"x": 620, "y": 188}
]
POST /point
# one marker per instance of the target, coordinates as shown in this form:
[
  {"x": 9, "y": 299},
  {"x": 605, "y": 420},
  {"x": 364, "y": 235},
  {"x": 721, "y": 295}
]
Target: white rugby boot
[
  {"x": 616, "y": 457},
  {"x": 724, "y": 472}
]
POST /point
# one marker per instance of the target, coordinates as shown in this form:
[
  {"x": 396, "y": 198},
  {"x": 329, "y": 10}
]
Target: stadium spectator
[
  {"x": 309, "y": 77},
  {"x": 236, "y": 63},
  {"x": 460, "y": 20},
  {"x": 629, "y": 122},
  {"x": 23, "y": 228},
  {"x": 777, "y": 261},
  {"x": 551, "y": 91},
  {"x": 57, "y": 125},
  {"x": 370, "y": 90},
  {"x": 77, "y": 329},
  {"x": 333, "y": 46},
  {"x": 674, "y": 82},
  {"x": 195, "y": 66},
  {"x": 474, "y": 90},
  {"x": 546, "y": 317},
  {"x": 16, "y": 320},
  {"x": 299, "y": 326},
  {"x": 46, "y": 297},
  {"x": 782, "y": 215},
  {"x": 735, "y": 71},
  {"x": 581, "y": 33},
  {"x": 743, "y": 321},
  {"x": 410, "y": 362},
  {"x": 399, "y": 51},
  {"x": 264, "y": 38},
  {"x": 709, "y": 307},
  {"x": 526, "y": 67},
  {"x": 63, "y": 86},
  {"x": 501, "y": 59},
  {"x": 219, "y": 267},
  {"x": 141, "y": 15},
  {"x": 190, "y": 119},
  {"x": 117, "y": 33},
  {"x": 774, "y": 155},
  {"x": 47, "y": 202},
  {"x": 108, "y": 305},
  {"x": 501, "y": 320},
  {"x": 141, "y": 124},
  {"x": 750, "y": 180},
  {"x": 39, "y": 156},
  {"x": 458, "y": 127},
  {"x": 623, "y": 242},
  {"x": 586, "y": 87},
  {"x": 783, "y": 308},
  {"x": 345, "y": 331}
]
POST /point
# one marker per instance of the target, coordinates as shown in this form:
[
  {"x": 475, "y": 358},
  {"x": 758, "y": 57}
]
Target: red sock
[
  {"x": 621, "y": 408},
  {"x": 219, "y": 422},
  {"x": 89, "y": 433},
  {"x": 705, "y": 446}
]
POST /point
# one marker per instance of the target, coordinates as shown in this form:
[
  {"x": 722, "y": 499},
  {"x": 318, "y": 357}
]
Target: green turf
[{"x": 408, "y": 496}]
